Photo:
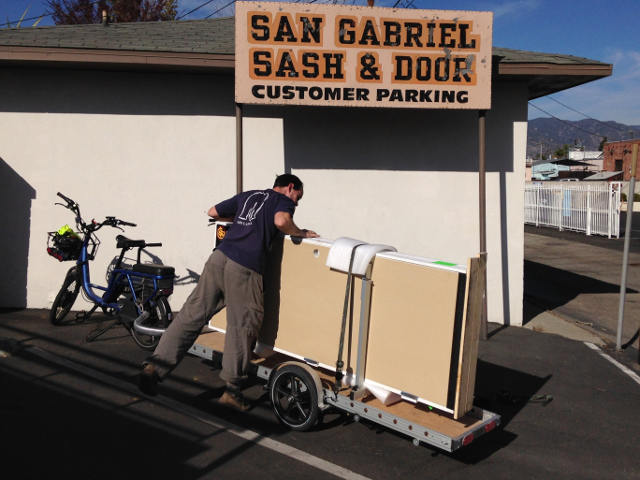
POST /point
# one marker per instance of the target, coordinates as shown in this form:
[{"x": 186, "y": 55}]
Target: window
[{"x": 618, "y": 165}]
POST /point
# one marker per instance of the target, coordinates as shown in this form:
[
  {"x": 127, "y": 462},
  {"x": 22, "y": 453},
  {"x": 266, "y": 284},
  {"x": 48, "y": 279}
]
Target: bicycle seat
[
  {"x": 154, "y": 269},
  {"x": 124, "y": 242}
]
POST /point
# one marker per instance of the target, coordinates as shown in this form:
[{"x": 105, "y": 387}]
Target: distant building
[
  {"x": 594, "y": 160},
  {"x": 547, "y": 170},
  {"x": 605, "y": 176},
  {"x": 561, "y": 169},
  {"x": 617, "y": 156}
]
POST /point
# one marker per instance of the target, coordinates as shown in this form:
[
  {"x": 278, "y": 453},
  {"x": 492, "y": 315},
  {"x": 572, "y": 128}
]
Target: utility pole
[{"x": 627, "y": 240}]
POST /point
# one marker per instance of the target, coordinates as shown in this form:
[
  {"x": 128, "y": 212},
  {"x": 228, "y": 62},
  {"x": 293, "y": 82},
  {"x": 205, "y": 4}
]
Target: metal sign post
[
  {"x": 239, "y": 148},
  {"x": 627, "y": 241},
  {"x": 482, "y": 209}
]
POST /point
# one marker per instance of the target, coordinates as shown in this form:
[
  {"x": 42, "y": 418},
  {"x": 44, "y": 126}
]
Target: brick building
[{"x": 617, "y": 156}]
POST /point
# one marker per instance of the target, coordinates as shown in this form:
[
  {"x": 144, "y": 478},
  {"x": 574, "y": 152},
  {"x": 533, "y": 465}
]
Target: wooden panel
[
  {"x": 311, "y": 300},
  {"x": 411, "y": 334},
  {"x": 470, "y": 335}
]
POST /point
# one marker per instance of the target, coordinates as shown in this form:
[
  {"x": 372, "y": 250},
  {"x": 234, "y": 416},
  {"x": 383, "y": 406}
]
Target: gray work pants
[{"x": 223, "y": 282}]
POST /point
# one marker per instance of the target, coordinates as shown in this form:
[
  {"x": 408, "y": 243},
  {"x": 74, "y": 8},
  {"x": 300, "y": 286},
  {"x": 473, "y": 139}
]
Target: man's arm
[
  {"x": 284, "y": 222},
  {"x": 213, "y": 213}
]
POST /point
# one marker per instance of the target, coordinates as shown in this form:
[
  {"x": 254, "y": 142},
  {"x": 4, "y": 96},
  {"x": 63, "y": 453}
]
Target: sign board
[{"x": 336, "y": 55}]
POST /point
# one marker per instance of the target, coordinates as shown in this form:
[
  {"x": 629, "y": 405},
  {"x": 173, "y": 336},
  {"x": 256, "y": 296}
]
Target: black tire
[
  {"x": 294, "y": 398},
  {"x": 66, "y": 297},
  {"x": 160, "y": 317}
]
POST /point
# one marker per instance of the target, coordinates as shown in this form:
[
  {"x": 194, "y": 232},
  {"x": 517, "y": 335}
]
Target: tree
[
  {"x": 67, "y": 12},
  {"x": 562, "y": 152},
  {"x": 604, "y": 140}
]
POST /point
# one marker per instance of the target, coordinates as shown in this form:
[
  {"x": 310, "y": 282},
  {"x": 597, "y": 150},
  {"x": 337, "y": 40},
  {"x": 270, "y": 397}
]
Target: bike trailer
[
  {"x": 300, "y": 392},
  {"x": 400, "y": 350}
]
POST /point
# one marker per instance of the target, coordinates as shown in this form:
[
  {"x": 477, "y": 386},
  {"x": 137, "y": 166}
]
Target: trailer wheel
[{"x": 294, "y": 398}]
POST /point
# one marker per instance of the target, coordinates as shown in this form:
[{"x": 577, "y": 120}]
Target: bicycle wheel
[
  {"x": 294, "y": 398},
  {"x": 66, "y": 297},
  {"x": 160, "y": 317}
]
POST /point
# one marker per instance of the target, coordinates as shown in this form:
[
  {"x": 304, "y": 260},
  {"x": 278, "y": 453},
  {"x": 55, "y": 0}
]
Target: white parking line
[{"x": 634, "y": 376}]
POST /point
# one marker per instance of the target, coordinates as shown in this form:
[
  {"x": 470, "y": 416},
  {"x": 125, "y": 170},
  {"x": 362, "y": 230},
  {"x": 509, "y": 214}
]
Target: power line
[
  {"x": 408, "y": 3},
  {"x": 221, "y": 8},
  {"x": 197, "y": 8},
  {"x": 585, "y": 115},
  {"x": 45, "y": 14},
  {"x": 567, "y": 123}
]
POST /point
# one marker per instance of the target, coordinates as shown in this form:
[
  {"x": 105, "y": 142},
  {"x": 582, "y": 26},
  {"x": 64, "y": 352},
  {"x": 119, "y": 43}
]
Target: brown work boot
[
  {"x": 233, "y": 398},
  {"x": 148, "y": 380}
]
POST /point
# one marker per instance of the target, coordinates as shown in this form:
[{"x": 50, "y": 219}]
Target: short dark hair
[{"x": 285, "y": 179}]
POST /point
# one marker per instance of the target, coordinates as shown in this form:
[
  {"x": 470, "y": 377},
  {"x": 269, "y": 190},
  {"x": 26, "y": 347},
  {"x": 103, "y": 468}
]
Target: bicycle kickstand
[
  {"x": 99, "y": 330},
  {"x": 84, "y": 316}
]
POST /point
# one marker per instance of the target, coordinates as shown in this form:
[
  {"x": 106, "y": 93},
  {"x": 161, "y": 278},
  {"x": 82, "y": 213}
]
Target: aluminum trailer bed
[{"x": 416, "y": 421}]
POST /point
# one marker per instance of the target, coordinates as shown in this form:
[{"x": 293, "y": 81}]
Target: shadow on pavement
[
  {"x": 549, "y": 287},
  {"x": 506, "y": 392},
  {"x": 81, "y": 416},
  {"x": 62, "y": 433}
]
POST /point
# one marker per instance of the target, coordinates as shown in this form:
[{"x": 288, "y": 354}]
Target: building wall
[
  {"x": 584, "y": 156},
  {"x": 158, "y": 149},
  {"x": 619, "y": 151}
]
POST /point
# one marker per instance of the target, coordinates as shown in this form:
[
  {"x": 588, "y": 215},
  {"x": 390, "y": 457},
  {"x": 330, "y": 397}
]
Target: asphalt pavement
[
  {"x": 71, "y": 409},
  {"x": 576, "y": 278}
]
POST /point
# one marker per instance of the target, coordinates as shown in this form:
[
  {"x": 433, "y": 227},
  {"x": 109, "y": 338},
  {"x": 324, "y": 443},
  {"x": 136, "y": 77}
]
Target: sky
[{"x": 603, "y": 30}]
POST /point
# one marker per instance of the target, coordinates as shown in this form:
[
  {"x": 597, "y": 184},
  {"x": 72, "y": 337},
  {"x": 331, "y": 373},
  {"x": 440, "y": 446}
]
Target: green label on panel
[{"x": 446, "y": 264}]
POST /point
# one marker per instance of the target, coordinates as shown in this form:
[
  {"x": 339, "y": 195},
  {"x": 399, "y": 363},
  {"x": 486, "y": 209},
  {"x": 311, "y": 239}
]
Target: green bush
[{"x": 636, "y": 197}]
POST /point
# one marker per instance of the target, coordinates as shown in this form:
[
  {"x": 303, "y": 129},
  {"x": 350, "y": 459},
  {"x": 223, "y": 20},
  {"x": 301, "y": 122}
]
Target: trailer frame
[{"x": 424, "y": 425}]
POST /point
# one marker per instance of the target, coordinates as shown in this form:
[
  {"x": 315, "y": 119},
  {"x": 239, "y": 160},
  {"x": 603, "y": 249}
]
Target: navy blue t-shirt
[{"x": 249, "y": 238}]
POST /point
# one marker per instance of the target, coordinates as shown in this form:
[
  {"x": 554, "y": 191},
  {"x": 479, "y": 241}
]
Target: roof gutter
[
  {"x": 600, "y": 70},
  {"x": 117, "y": 57}
]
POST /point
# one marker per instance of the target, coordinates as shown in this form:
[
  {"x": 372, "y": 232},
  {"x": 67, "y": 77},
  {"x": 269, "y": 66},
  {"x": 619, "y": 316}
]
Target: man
[{"x": 233, "y": 277}]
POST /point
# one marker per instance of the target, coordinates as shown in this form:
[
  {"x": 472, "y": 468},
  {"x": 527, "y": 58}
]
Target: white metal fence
[{"x": 590, "y": 207}]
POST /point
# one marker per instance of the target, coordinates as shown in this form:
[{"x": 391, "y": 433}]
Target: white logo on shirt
[{"x": 252, "y": 206}]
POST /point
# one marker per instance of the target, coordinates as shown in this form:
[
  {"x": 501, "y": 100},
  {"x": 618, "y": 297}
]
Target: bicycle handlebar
[
  {"x": 92, "y": 226},
  {"x": 66, "y": 199},
  {"x": 115, "y": 222}
]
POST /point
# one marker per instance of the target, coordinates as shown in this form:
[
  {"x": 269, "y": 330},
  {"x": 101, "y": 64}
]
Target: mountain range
[{"x": 553, "y": 134}]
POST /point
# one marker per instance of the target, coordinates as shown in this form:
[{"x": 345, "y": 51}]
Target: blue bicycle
[{"x": 135, "y": 295}]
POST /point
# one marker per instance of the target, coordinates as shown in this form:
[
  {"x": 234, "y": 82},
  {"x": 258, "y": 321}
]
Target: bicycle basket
[{"x": 66, "y": 246}]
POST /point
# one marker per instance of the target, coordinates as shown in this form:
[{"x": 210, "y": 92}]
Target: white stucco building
[{"x": 138, "y": 121}]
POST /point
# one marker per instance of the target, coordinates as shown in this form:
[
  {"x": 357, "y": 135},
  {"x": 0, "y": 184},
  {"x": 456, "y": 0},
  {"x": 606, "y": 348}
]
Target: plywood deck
[{"x": 421, "y": 415}]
